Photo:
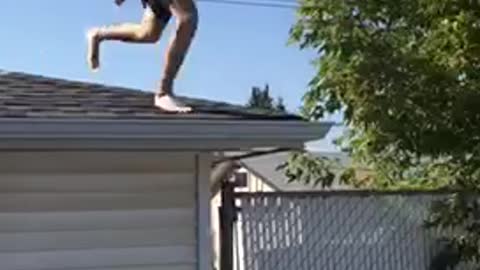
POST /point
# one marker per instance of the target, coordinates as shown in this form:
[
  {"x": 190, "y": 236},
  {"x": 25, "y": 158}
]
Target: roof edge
[{"x": 162, "y": 134}]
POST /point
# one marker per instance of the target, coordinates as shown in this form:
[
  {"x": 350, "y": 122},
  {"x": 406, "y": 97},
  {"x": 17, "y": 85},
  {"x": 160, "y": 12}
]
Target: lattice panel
[{"x": 340, "y": 231}]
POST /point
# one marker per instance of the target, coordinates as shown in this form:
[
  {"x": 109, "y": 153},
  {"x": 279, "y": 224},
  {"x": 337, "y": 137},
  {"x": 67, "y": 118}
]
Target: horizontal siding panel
[
  {"x": 96, "y": 182},
  {"x": 35, "y": 202},
  {"x": 97, "y": 211},
  {"x": 26, "y": 242},
  {"x": 78, "y": 259},
  {"x": 149, "y": 267},
  {"x": 96, "y": 162},
  {"x": 96, "y": 220}
]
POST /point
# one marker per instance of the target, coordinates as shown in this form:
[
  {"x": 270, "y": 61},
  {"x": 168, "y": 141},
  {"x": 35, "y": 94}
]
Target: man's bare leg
[
  {"x": 187, "y": 20},
  {"x": 148, "y": 31}
]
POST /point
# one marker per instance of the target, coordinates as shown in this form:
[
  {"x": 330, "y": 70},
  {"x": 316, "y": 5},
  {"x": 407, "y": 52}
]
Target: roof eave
[{"x": 171, "y": 134}]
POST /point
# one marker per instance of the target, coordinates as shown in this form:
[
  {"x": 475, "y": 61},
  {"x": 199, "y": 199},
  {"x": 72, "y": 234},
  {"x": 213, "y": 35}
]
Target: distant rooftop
[
  {"x": 33, "y": 96},
  {"x": 265, "y": 167}
]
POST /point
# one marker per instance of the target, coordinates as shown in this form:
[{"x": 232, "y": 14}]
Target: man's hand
[{"x": 119, "y": 2}]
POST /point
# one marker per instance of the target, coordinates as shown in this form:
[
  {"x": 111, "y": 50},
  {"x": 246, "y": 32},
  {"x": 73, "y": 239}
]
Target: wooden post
[{"x": 227, "y": 220}]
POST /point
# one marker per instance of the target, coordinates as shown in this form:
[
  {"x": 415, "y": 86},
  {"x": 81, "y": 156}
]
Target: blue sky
[{"x": 236, "y": 47}]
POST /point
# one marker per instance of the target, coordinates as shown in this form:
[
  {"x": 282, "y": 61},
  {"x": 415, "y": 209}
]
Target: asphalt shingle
[{"x": 32, "y": 96}]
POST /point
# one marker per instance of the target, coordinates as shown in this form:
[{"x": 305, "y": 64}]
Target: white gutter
[{"x": 162, "y": 134}]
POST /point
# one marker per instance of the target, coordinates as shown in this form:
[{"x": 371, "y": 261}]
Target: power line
[{"x": 267, "y": 4}]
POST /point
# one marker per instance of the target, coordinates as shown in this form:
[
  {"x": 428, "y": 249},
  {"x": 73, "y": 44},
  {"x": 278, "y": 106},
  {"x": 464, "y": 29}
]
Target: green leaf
[{"x": 406, "y": 74}]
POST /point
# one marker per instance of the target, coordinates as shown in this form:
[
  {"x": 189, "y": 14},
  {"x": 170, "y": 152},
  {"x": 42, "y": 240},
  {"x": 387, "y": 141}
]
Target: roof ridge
[{"x": 4, "y": 72}]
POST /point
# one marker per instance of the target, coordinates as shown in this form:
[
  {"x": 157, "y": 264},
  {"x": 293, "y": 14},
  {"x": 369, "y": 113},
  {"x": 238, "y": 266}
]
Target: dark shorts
[{"x": 160, "y": 8}]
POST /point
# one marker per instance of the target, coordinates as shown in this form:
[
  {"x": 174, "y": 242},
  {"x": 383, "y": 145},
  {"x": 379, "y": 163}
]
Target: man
[{"x": 157, "y": 15}]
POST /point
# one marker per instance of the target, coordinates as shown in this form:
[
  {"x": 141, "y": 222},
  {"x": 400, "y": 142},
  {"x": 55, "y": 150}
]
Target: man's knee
[
  {"x": 189, "y": 20},
  {"x": 148, "y": 34}
]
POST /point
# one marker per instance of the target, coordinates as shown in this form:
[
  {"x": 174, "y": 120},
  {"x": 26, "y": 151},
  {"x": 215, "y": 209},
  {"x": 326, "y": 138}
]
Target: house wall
[
  {"x": 254, "y": 183},
  {"x": 99, "y": 211}
]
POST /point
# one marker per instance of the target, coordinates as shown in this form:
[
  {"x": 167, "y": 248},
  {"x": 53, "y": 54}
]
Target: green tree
[
  {"x": 261, "y": 99},
  {"x": 406, "y": 74},
  {"x": 279, "y": 105}
]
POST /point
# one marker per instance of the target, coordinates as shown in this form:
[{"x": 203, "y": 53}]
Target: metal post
[{"x": 227, "y": 221}]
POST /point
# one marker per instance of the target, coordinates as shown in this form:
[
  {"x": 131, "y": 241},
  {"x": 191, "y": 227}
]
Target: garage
[{"x": 94, "y": 177}]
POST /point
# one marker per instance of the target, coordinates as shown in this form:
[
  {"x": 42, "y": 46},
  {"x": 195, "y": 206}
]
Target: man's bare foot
[
  {"x": 93, "y": 40},
  {"x": 169, "y": 103}
]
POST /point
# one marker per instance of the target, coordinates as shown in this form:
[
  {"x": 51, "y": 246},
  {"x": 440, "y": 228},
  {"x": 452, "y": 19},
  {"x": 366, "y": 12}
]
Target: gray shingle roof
[{"x": 33, "y": 96}]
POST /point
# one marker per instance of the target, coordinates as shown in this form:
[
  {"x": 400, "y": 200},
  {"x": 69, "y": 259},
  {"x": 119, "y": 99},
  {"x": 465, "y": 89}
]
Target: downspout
[
  {"x": 224, "y": 168},
  {"x": 220, "y": 172}
]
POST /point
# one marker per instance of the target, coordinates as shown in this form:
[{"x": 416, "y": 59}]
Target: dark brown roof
[{"x": 32, "y": 96}]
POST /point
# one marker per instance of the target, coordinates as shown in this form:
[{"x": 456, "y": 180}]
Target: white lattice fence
[{"x": 337, "y": 231}]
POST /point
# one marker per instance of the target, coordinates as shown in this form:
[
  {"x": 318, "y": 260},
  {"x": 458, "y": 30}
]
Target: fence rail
[{"x": 339, "y": 231}]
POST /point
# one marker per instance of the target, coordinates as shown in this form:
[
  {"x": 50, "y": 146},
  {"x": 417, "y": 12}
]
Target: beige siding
[
  {"x": 28, "y": 241},
  {"x": 94, "y": 220},
  {"x": 96, "y": 162},
  {"x": 256, "y": 184},
  {"x": 108, "y": 182},
  {"x": 97, "y": 211},
  {"x": 147, "y": 267},
  {"x": 91, "y": 258}
]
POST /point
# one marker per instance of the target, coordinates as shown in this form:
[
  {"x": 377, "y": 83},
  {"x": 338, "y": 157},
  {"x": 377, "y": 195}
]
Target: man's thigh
[{"x": 151, "y": 22}]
